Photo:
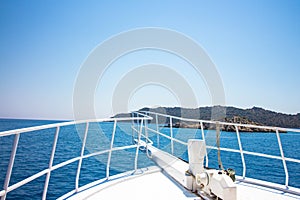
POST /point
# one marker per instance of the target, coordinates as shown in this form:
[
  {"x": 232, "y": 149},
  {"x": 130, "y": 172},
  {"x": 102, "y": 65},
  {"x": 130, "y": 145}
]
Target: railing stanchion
[
  {"x": 132, "y": 128},
  {"x": 147, "y": 138},
  {"x": 110, "y": 150},
  {"x": 171, "y": 134},
  {"x": 283, "y": 159},
  {"x": 50, "y": 163},
  {"x": 138, "y": 123},
  {"x": 218, "y": 135},
  {"x": 241, "y": 151},
  {"x": 146, "y": 131},
  {"x": 138, "y": 145},
  {"x": 11, "y": 164},
  {"x": 81, "y": 155},
  {"x": 157, "y": 135},
  {"x": 203, "y": 137}
]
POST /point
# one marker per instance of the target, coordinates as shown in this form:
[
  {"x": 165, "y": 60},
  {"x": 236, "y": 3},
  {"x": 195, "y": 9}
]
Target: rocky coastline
[{"x": 228, "y": 128}]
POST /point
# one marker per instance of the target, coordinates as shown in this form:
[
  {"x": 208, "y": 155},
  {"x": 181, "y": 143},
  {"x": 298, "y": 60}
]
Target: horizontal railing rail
[
  {"x": 242, "y": 152},
  {"x": 61, "y": 124},
  {"x": 17, "y": 132}
]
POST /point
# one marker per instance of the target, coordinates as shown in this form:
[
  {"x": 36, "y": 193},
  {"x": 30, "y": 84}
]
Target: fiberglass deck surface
[
  {"x": 154, "y": 184},
  {"x": 248, "y": 191}
]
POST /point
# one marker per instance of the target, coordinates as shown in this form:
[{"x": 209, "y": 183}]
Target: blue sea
[{"x": 34, "y": 151}]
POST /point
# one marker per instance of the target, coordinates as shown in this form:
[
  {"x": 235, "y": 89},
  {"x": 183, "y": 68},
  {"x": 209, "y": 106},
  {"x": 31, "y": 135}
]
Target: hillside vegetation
[{"x": 255, "y": 115}]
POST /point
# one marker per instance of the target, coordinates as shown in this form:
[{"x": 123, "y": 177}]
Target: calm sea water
[{"x": 34, "y": 151}]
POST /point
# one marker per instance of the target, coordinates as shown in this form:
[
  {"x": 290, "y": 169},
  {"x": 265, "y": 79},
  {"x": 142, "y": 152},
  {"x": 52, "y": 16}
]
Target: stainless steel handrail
[
  {"x": 241, "y": 151},
  {"x": 8, "y": 188}
]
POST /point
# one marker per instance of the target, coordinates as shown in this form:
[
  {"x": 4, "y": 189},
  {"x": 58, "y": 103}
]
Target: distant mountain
[{"x": 255, "y": 114}]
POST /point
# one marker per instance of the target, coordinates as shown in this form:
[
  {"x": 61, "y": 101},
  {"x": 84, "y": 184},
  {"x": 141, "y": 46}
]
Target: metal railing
[
  {"x": 141, "y": 120},
  {"x": 240, "y": 150},
  {"x": 16, "y": 133}
]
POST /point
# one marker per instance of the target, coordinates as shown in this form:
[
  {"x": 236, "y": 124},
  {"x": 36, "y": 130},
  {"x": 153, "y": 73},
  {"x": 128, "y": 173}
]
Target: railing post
[
  {"x": 110, "y": 151},
  {"x": 283, "y": 159},
  {"x": 241, "y": 151},
  {"x": 138, "y": 146},
  {"x": 146, "y": 131},
  {"x": 218, "y": 145},
  {"x": 50, "y": 163},
  {"x": 81, "y": 154},
  {"x": 11, "y": 164},
  {"x": 147, "y": 137},
  {"x": 157, "y": 135},
  {"x": 138, "y": 121},
  {"x": 171, "y": 135},
  {"x": 132, "y": 128},
  {"x": 203, "y": 137}
]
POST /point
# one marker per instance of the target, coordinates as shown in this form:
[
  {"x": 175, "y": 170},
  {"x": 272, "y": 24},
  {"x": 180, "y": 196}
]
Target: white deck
[
  {"x": 247, "y": 191},
  {"x": 155, "y": 184},
  {"x": 151, "y": 184}
]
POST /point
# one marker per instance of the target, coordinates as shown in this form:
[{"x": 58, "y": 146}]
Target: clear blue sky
[{"x": 254, "y": 44}]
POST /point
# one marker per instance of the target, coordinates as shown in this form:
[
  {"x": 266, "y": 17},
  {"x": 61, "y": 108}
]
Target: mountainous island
[{"x": 253, "y": 116}]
